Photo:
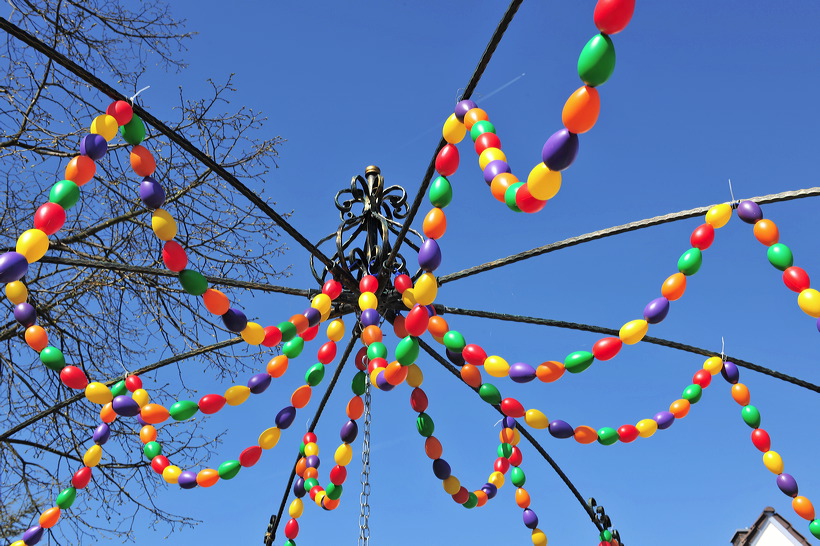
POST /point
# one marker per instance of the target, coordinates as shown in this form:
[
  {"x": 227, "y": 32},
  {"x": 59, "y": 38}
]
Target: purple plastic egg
[
  {"x": 299, "y": 487},
  {"x": 370, "y": 317},
  {"x": 25, "y": 314},
  {"x": 521, "y": 372},
  {"x": 730, "y": 372},
  {"x": 429, "y": 255},
  {"x": 490, "y": 489},
  {"x": 441, "y": 469},
  {"x": 33, "y": 535},
  {"x": 187, "y": 479},
  {"x": 462, "y": 107},
  {"x": 656, "y": 310},
  {"x": 509, "y": 422},
  {"x": 454, "y": 357},
  {"x": 285, "y": 417},
  {"x": 94, "y": 146},
  {"x": 664, "y": 420},
  {"x": 312, "y": 461},
  {"x": 234, "y": 320},
  {"x": 749, "y": 212},
  {"x": 13, "y": 267},
  {"x": 125, "y": 406},
  {"x": 787, "y": 484},
  {"x": 259, "y": 383},
  {"x": 152, "y": 193},
  {"x": 313, "y": 315},
  {"x": 560, "y": 150},
  {"x": 494, "y": 168},
  {"x": 561, "y": 429},
  {"x": 349, "y": 432},
  {"x": 530, "y": 519},
  {"x": 101, "y": 434},
  {"x": 382, "y": 383},
  {"x": 141, "y": 421}
]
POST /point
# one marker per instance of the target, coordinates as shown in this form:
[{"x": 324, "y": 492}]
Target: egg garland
[
  {"x": 469, "y": 356},
  {"x": 580, "y": 113},
  {"x": 509, "y": 459},
  {"x": 772, "y": 460},
  {"x": 49, "y": 218},
  {"x": 148, "y": 414},
  {"x": 596, "y": 64}
]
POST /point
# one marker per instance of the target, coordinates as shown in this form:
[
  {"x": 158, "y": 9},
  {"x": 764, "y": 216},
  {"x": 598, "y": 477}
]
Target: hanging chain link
[{"x": 364, "y": 497}]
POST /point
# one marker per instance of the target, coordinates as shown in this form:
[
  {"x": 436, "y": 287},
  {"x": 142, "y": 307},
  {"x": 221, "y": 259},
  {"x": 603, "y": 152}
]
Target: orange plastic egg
[
  {"x": 355, "y": 408},
  {"x": 766, "y": 232},
  {"x": 142, "y": 161},
  {"x": 301, "y": 396},
  {"x": 277, "y": 366},
  {"x": 500, "y": 183},
  {"x": 435, "y": 223},
  {"x": 741, "y": 394},
  {"x": 432, "y": 448},
  {"x": 474, "y": 115},
  {"x": 471, "y": 375},
  {"x": 674, "y": 287},
  {"x": 216, "y": 302},
  {"x": 581, "y": 110}
]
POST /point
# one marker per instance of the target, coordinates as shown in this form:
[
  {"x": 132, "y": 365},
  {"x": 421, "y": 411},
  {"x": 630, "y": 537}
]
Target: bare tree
[{"x": 104, "y": 317}]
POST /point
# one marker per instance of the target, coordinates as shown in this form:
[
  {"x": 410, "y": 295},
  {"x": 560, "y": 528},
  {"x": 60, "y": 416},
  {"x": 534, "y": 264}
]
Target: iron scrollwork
[{"x": 369, "y": 212}]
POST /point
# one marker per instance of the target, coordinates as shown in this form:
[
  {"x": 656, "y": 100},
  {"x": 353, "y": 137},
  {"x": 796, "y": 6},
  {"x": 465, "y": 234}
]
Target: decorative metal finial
[{"x": 369, "y": 215}]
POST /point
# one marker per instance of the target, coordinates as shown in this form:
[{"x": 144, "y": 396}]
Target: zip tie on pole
[{"x": 135, "y": 95}]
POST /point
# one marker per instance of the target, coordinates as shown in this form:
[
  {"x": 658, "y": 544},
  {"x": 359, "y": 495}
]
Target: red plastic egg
[
  {"x": 761, "y": 440},
  {"x": 418, "y": 400},
  {"x": 702, "y": 378},
  {"x": 402, "y": 283},
  {"x": 132, "y": 383},
  {"x": 211, "y": 403},
  {"x": 512, "y": 408},
  {"x": 796, "y": 279},
  {"x": 487, "y": 140},
  {"x": 332, "y": 289},
  {"x": 174, "y": 256},
  {"x": 338, "y": 475},
  {"x": 326, "y": 352},
  {"x": 702, "y": 237},
  {"x": 416, "y": 321},
  {"x": 73, "y": 378},
  {"x": 369, "y": 283},
  {"x": 447, "y": 160},
  {"x": 160, "y": 463},
  {"x": 606, "y": 348},
  {"x": 628, "y": 433},
  {"x": 49, "y": 218},
  {"x": 516, "y": 457},
  {"x": 81, "y": 478},
  {"x": 121, "y": 111},
  {"x": 612, "y": 16},
  {"x": 250, "y": 456},
  {"x": 526, "y": 202}
]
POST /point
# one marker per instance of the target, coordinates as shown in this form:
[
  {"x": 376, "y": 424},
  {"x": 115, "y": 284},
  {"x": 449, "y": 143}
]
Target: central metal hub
[{"x": 369, "y": 213}]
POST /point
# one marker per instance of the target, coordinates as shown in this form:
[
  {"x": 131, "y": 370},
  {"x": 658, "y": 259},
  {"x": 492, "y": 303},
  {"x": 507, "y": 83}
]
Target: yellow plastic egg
[
  {"x": 633, "y": 331},
  {"x": 269, "y": 438}
]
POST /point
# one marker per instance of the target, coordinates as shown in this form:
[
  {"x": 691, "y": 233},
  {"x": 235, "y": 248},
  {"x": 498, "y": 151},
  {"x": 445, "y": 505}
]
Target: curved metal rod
[
  {"x": 617, "y": 230},
  {"x": 609, "y": 331}
]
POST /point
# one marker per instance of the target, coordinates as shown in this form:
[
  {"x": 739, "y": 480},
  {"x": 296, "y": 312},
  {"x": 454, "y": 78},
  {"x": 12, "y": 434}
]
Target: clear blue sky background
[{"x": 703, "y": 91}]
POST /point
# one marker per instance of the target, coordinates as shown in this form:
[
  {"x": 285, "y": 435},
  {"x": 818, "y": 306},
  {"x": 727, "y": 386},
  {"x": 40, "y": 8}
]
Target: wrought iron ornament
[{"x": 370, "y": 212}]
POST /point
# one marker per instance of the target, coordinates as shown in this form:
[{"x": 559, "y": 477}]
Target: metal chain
[{"x": 364, "y": 497}]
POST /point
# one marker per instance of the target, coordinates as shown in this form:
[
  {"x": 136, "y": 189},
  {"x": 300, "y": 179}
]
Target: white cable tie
[{"x": 135, "y": 95}]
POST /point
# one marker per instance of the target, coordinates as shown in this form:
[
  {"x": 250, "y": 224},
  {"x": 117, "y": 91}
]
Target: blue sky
[{"x": 702, "y": 92}]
